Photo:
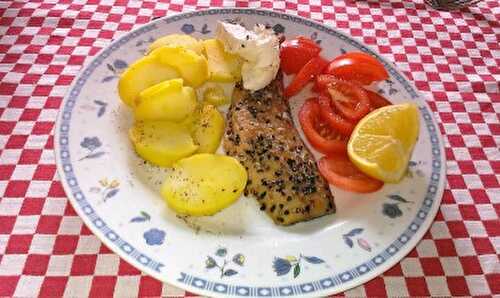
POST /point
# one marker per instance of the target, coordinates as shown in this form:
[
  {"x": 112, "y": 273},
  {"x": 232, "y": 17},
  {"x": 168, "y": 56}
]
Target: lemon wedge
[{"x": 382, "y": 142}]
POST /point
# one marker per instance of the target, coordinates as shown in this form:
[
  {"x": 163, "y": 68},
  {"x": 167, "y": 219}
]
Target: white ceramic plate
[{"x": 239, "y": 251}]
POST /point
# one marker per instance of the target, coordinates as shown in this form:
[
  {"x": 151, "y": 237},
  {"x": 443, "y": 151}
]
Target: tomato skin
[
  {"x": 333, "y": 119},
  {"x": 340, "y": 171},
  {"x": 309, "y": 117},
  {"x": 358, "y": 103},
  {"x": 308, "y": 41},
  {"x": 377, "y": 100},
  {"x": 312, "y": 68},
  {"x": 356, "y": 66},
  {"x": 295, "y": 53}
]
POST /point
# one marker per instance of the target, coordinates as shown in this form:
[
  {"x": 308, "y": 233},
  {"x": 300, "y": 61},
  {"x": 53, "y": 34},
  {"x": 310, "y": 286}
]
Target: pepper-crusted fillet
[{"x": 282, "y": 173}]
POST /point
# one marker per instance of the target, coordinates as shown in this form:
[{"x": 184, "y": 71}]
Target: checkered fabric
[{"x": 452, "y": 57}]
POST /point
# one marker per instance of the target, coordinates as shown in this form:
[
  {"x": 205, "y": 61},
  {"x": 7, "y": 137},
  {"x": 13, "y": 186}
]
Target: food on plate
[
  {"x": 178, "y": 40},
  {"x": 376, "y": 100},
  {"x": 341, "y": 172},
  {"x": 162, "y": 142},
  {"x": 359, "y": 67},
  {"x": 142, "y": 74},
  {"x": 295, "y": 53},
  {"x": 282, "y": 173},
  {"x": 215, "y": 96},
  {"x": 322, "y": 137},
  {"x": 204, "y": 184},
  {"x": 333, "y": 118},
  {"x": 305, "y": 74},
  {"x": 169, "y": 100},
  {"x": 208, "y": 129},
  {"x": 176, "y": 92},
  {"x": 382, "y": 142},
  {"x": 344, "y": 110},
  {"x": 192, "y": 67},
  {"x": 349, "y": 98},
  {"x": 222, "y": 66},
  {"x": 259, "y": 49}
]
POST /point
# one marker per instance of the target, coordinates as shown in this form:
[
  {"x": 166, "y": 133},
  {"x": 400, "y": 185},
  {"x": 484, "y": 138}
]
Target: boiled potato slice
[
  {"x": 209, "y": 129},
  {"x": 215, "y": 96},
  {"x": 142, "y": 74},
  {"x": 168, "y": 100},
  {"x": 181, "y": 40},
  {"x": 162, "y": 142},
  {"x": 222, "y": 66},
  {"x": 204, "y": 184},
  {"x": 192, "y": 67}
]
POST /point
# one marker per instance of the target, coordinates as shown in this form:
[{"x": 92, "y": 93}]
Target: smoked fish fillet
[{"x": 282, "y": 173}]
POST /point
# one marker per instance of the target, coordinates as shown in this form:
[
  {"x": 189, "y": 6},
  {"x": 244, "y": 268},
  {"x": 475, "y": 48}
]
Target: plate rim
[{"x": 164, "y": 277}]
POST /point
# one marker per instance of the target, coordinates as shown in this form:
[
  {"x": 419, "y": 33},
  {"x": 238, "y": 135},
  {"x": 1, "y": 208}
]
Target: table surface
[{"x": 453, "y": 59}]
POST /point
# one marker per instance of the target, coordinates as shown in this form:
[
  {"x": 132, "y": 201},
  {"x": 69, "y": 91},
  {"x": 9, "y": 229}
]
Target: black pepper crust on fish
[{"x": 282, "y": 173}]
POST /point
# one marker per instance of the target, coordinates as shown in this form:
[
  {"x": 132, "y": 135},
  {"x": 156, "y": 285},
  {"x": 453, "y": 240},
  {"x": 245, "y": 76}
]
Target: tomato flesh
[
  {"x": 317, "y": 132},
  {"x": 322, "y": 81},
  {"x": 295, "y": 53},
  {"x": 350, "y": 99},
  {"x": 330, "y": 116},
  {"x": 338, "y": 170},
  {"x": 359, "y": 67},
  {"x": 377, "y": 100},
  {"x": 312, "y": 68}
]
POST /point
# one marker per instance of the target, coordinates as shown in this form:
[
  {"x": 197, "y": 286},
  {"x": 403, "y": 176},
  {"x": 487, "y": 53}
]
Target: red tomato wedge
[
  {"x": 377, "y": 100},
  {"x": 318, "y": 133},
  {"x": 340, "y": 171},
  {"x": 349, "y": 98},
  {"x": 308, "y": 41},
  {"x": 295, "y": 53},
  {"x": 330, "y": 116},
  {"x": 356, "y": 66},
  {"x": 322, "y": 81},
  {"x": 312, "y": 68}
]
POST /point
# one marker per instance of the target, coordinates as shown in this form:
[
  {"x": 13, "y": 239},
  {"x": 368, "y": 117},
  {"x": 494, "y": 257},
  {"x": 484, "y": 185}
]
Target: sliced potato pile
[
  {"x": 171, "y": 124},
  {"x": 204, "y": 184},
  {"x": 209, "y": 129},
  {"x": 178, "y": 40},
  {"x": 168, "y": 100},
  {"x": 143, "y": 74},
  {"x": 162, "y": 142}
]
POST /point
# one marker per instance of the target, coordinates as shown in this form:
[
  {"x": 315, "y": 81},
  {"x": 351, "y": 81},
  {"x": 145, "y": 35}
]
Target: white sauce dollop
[{"x": 259, "y": 49}]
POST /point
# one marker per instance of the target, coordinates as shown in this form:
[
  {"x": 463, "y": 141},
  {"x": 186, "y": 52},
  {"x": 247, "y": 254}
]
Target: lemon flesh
[{"x": 382, "y": 142}]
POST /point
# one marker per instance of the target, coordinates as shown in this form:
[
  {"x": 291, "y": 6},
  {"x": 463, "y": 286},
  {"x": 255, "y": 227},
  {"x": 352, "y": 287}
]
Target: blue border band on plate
[{"x": 240, "y": 290}]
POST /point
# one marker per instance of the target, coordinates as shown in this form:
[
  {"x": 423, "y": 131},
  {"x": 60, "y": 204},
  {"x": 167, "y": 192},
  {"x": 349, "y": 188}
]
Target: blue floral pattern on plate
[
  {"x": 154, "y": 236},
  {"x": 107, "y": 189},
  {"x": 392, "y": 210},
  {"x": 354, "y": 234},
  {"x": 282, "y": 266},
  {"x": 223, "y": 263},
  {"x": 91, "y": 144},
  {"x": 116, "y": 68}
]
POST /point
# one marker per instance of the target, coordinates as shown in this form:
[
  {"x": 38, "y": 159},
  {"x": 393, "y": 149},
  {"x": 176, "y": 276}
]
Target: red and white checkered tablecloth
[{"x": 453, "y": 58}]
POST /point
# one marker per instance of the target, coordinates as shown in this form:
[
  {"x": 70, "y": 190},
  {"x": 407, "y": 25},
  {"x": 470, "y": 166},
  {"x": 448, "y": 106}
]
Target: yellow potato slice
[
  {"x": 168, "y": 100},
  {"x": 142, "y": 74},
  {"x": 204, "y": 184},
  {"x": 162, "y": 142},
  {"x": 209, "y": 130},
  {"x": 222, "y": 66},
  {"x": 215, "y": 96},
  {"x": 181, "y": 40},
  {"x": 192, "y": 67}
]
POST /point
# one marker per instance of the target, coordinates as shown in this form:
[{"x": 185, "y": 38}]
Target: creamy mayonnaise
[{"x": 259, "y": 49}]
